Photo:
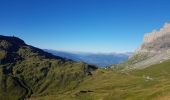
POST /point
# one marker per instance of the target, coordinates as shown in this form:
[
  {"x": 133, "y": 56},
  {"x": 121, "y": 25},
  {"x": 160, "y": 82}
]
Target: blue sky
[{"x": 83, "y": 25}]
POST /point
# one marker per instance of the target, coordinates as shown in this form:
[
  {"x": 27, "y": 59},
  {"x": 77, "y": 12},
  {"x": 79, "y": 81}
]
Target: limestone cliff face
[
  {"x": 156, "y": 41},
  {"x": 154, "y": 49},
  {"x": 150, "y": 37}
]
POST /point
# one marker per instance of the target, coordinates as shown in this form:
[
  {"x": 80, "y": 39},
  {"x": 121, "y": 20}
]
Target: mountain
[
  {"x": 29, "y": 73},
  {"x": 154, "y": 49},
  {"x": 98, "y": 59},
  {"x": 26, "y": 71},
  {"x": 157, "y": 41}
]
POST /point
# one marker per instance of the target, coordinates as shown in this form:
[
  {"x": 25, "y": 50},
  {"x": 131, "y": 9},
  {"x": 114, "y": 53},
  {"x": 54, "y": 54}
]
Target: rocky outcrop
[
  {"x": 155, "y": 49},
  {"x": 150, "y": 37},
  {"x": 156, "y": 41}
]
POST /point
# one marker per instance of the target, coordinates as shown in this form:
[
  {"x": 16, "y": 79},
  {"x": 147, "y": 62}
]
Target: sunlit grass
[{"x": 152, "y": 83}]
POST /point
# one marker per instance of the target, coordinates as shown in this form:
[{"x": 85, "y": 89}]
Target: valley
[
  {"x": 98, "y": 59},
  {"x": 29, "y": 73}
]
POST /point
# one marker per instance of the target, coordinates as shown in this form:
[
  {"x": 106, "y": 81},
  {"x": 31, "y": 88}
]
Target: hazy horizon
[{"x": 95, "y": 26}]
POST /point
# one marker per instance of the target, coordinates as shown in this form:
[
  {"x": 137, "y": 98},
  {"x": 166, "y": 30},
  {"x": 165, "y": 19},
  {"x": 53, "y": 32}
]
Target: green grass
[
  {"x": 133, "y": 60},
  {"x": 152, "y": 83},
  {"x": 29, "y": 73}
]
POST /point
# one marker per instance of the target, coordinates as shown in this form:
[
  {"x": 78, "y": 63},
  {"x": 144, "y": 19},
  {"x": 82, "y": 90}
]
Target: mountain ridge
[
  {"x": 27, "y": 71},
  {"x": 30, "y": 73}
]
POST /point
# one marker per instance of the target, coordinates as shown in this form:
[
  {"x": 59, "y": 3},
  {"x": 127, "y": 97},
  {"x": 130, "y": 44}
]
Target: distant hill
[{"x": 98, "y": 59}]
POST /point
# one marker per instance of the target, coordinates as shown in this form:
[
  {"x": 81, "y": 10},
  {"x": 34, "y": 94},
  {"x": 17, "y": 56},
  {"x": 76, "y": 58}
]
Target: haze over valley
[{"x": 99, "y": 59}]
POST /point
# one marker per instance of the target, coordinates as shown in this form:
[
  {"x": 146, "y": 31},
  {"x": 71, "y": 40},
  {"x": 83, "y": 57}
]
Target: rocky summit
[
  {"x": 154, "y": 49},
  {"x": 157, "y": 41}
]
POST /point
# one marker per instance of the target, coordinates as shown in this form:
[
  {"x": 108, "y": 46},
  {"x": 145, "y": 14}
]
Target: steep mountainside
[
  {"x": 157, "y": 41},
  {"x": 26, "y": 71},
  {"x": 98, "y": 59},
  {"x": 155, "y": 49}
]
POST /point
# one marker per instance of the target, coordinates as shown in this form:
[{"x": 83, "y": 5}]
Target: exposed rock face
[
  {"x": 155, "y": 49},
  {"x": 150, "y": 37},
  {"x": 157, "y": 45},
  {"x": 157, "y": 41}
]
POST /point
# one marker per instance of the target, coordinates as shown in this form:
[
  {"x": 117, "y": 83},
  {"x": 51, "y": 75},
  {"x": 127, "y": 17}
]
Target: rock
[
  {"x": 150, "y": 37},
  {"x": 156, "y": 41},
  {"x": 155, "y": 49}
]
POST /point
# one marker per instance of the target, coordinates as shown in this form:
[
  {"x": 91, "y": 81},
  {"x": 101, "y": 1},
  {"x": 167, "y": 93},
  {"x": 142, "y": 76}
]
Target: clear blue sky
[{"x": 83, "y": 25}]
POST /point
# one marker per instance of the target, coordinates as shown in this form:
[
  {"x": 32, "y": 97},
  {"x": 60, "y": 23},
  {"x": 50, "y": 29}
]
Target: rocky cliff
[
  {"x": 155, "y": 49},
  {"x": 150, "y": 37},
  {"x": 157, "y": 41}
]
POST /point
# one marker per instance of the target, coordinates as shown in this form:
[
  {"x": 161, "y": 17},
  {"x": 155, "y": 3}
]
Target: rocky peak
[
  {"x": 13, "y": 49},
  {"x": 156, "y": 41},
  {"x": 150, "y": 37},
  {"x": 12, "y": 39},
  {"x": 10, "y": 42}
]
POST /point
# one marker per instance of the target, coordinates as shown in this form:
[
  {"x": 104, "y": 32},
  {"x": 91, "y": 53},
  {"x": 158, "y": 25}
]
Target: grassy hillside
[
  {"x": 152, "y": 83},
  {"x": 27, "y": 71}
]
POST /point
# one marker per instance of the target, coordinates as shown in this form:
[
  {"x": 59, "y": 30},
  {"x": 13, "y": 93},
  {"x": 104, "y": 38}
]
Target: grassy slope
[
  {"x": 39, "y": 76},
  {"x": 139, "y": 57},
  {"x": 152, "y": 83},
  {"x": 28, "y": 71}
]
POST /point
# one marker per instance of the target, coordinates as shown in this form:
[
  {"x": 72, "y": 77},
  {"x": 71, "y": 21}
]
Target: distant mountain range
[{"x": 99, "y": 59}]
